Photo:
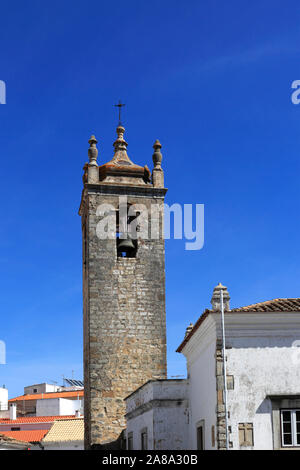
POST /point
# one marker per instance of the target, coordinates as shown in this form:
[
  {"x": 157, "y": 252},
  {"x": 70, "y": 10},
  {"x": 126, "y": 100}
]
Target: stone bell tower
[{"x": 123, "y": 287}]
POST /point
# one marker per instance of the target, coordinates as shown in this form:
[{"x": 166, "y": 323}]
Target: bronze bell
[{"x": 126, "y": 245}]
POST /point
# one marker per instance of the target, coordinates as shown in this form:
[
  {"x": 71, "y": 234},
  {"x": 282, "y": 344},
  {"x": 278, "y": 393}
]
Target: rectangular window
[
  {"x": 290, "y": 428},
  {"x": 130, "y": 441},
  {"x": 213, "y": 438},
  {"x": 246, "y": 434},
  {"x": 15, "y": 429},
  {"x": 144, "y": 439},
  {"x": 123, "y": 440},
  {"x": 200, "y": 437}
]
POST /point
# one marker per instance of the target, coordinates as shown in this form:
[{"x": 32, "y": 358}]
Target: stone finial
[
  {"x": 120, "y": 144},
  {"x": 216, "y": 298},
  {"x": 189, "y": 329},
  {"x": 157, "y": 173},
  {"x": 157, "y": 156},
  {"x": 93, "y": 151}
]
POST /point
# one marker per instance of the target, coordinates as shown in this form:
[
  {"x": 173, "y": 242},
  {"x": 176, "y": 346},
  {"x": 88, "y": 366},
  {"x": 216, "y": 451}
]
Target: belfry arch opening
[{"x": 127, "y": 243}]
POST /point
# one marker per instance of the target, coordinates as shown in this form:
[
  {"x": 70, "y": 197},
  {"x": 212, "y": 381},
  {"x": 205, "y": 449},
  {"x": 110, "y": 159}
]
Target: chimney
[
  {"x": 77, "y": 414},
  {"x": 13, "y": 411},
  {"x": 215, "y": 300}
]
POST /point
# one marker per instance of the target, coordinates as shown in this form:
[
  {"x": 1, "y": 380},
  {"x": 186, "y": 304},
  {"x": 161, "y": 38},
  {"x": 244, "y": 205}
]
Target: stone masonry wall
[{"x": 124, "y": 322}]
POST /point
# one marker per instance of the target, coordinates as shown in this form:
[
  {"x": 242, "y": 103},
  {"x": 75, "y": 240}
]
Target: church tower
[{"x": 123, "y": 286}]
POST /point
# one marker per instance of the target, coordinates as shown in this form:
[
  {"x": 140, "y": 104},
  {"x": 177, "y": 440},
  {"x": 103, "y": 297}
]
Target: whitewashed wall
[
  {"x": 200, "y": 355},
  {"x": 40, "y": 388},
  {"x": 263, "y": 361},
  {"x": 135, "y": 426},
  {"x": 68, "y": 445},
  {"x": 161, "y": 407},
  {"x": 171, "y": 427},
  {"x": 57, "y": 407},
  {"x": 202, "y": 396},
  {"x": 261, "y": 366},
  {"x": 3, "y": 399}
]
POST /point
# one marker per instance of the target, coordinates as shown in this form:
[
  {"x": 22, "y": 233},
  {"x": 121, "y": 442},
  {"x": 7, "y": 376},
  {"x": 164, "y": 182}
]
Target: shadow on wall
[{"x": 118, "y": 444}]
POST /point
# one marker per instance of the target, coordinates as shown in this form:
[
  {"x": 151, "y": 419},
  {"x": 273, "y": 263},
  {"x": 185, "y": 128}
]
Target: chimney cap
[{"x": 216, "y": 300}]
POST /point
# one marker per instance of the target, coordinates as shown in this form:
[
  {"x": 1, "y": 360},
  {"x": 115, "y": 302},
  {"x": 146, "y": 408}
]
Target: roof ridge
[
  {"x": 70, "y": 419},
  {"x": 36, "y": 419},
  {"x": 33, "y": 396},
  {"x": 265, "y": 302}
]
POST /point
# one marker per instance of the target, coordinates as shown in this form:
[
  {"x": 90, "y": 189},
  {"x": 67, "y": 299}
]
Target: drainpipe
[{"x": 224, "y": 368}]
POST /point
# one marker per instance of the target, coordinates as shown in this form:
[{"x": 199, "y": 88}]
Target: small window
[
  {"x": 246, "y": 434},
  {"x": 144, "y": 439},
  {"x": 130, "y": 441},
  {"x": 35, "y": 390},
  {"x": 213, "y": 436},
  {"x": 290, "y": 428},
  {"x": 230, "y": 382},
  {"x": 123, "y": 440},
  {"x": 15, "y": 429}
]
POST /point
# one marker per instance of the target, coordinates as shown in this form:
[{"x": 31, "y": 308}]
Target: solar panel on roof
[{"x": 74, "y": 383}]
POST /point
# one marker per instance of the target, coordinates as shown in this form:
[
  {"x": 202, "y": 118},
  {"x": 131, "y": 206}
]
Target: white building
[
  {"x": 263, "y": 376},
  {"x": 59, "y": 407},
  {"x": 41, "y": 388},
  {"x": 33, "y": 429},
  {"x": 59, "y": 401},
  {"x": 153, "y": 410},
  {"x": 4, "y": 412}
]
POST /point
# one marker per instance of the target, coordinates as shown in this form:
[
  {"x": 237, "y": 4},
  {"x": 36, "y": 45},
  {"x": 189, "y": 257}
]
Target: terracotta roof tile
[
  {"x": 32, "y": 435},
  {"x": 275, "y": 305},
  {"x": 8, "y": 439},
  {"x": 34, "y": 419},
  {"x": 66, "y": 430},
  {"x": 43, "y": 396}
]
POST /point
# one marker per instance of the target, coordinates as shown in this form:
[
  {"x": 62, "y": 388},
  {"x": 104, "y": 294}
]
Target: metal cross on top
[{"x": 119, "y": 105}]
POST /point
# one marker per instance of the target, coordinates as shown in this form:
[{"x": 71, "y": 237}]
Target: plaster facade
[{"x": 159, "y": 409}]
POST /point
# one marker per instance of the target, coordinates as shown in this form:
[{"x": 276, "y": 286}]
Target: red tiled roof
[
  {"x": 32, "y": 435},
  {"x": 39, "y": 396},
  {"x": 11, "y": 440},
  {"x": 274, "y": 305},
  {"x": 34, "y": 419}
]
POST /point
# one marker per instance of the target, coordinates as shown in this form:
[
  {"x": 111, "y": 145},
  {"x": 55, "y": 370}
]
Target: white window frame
[{"x": 293, "y": 427}]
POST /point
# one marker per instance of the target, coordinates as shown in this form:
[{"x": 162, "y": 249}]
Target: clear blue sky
[{"x": 212, "y": 81}]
